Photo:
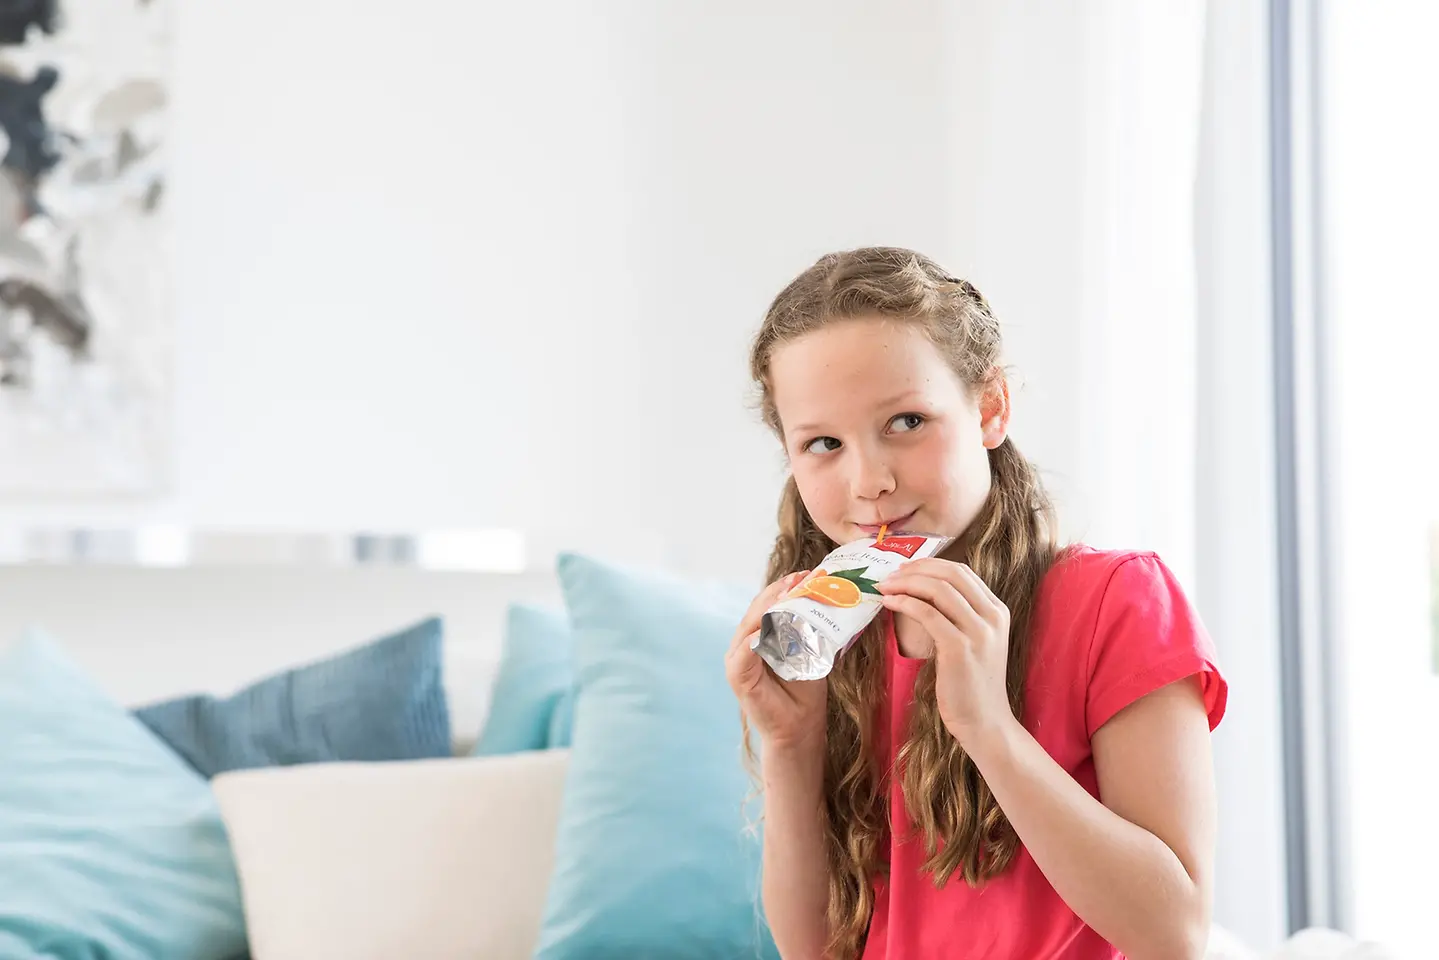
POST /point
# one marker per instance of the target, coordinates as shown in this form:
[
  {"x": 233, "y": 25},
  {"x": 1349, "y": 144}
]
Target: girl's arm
[
  {"x": 795, "y": 884},
  {"x": 1137, "y": 867}
]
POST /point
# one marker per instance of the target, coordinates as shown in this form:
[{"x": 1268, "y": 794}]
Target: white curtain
[
  {"x": 1110, "y": 196},
  {"x": 1076, "y": 128}
]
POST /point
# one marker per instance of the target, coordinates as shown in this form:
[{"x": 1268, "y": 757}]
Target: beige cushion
[{"x": 432, "y": 858}]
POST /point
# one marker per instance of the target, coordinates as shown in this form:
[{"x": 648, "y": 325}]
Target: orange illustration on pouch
[{"x": 834, "y": 591}]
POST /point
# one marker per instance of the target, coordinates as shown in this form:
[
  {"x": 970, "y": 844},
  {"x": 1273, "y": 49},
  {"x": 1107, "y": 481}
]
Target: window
[{"x": 1378, "y": 199}]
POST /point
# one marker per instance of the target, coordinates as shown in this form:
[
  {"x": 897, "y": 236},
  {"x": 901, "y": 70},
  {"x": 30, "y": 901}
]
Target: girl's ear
[{"x": 994, "y": 409}]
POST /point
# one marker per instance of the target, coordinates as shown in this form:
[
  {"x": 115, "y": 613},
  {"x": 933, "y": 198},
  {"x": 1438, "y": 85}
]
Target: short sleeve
[{"x": 1148, "y": 635}]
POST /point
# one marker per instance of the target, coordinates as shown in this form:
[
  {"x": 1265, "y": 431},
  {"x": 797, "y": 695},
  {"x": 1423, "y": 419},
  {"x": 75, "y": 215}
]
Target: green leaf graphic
[{"x": 858, "y": 578}]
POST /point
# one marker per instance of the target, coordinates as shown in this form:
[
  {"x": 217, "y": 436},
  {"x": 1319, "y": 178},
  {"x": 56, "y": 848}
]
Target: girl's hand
[
  {"x": 969, "y": 629},
  {"x": 784, "y": 714}
]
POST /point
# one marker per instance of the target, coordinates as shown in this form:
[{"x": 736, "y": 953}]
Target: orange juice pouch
[{"x": 803, "y": 635}]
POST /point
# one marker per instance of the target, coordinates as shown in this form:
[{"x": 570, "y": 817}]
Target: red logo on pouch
[{"x": 904, "y": 546}]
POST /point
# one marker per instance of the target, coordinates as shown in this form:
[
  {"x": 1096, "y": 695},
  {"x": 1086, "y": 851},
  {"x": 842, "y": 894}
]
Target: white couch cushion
[
  {"x": 1317, "y": 943},
  {"x": 1311, "y": 944},
  {"x": 1224, "y": 945},
  {"x": 430, "y": 858}
]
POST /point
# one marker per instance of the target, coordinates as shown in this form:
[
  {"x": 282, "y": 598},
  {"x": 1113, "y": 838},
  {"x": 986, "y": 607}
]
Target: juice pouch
[{"x": 802, "y": 635}]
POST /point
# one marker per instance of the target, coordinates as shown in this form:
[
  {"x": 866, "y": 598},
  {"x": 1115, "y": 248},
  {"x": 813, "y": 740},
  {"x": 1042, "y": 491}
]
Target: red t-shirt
[{"x": 1108, "y": 628}]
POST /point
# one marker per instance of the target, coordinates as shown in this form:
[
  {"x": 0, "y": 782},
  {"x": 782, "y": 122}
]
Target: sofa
[
  {"x": 596, "y": 807},
  {"x": 443, "y": 859}
]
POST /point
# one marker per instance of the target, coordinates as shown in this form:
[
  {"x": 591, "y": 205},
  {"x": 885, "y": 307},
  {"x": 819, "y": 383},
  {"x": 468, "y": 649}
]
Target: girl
[{"x": 1013, "y": 761}]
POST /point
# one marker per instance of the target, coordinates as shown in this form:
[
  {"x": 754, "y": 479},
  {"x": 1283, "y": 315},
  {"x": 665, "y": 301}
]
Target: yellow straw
[{"x": 883, "y": 529}]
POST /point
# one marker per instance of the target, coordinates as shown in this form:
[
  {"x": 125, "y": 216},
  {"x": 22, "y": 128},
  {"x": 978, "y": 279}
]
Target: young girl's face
[{"x": 879, "y": 429}]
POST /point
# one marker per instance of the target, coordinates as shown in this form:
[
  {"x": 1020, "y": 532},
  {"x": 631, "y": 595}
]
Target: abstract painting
[{"x": 85, "y": 326}]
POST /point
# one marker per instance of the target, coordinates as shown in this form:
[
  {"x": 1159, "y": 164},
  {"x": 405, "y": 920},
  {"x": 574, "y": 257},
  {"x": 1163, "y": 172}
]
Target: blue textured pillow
[
  {"x": 536, "y": 669},
  {"x": 381, "y": 701},
  {"x": 110, "y": 846},
  {"x": 652, "y": 857}
]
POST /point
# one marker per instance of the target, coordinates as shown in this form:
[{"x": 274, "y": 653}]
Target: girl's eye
[
  {"x": 906, "y": 422},
  {"x": 822, "y": 445}
]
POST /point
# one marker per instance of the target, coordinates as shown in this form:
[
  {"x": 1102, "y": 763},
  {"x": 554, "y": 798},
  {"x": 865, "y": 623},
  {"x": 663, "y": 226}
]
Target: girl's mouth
[{"x": 894, "y": 525}]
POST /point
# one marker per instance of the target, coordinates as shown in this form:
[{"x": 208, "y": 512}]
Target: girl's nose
[{"x": 872, "y": 477}]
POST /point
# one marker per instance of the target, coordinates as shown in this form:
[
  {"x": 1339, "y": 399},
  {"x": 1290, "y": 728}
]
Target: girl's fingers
[
  {"x": 766, "y": 599},
  {"x": 977, "y": 592},
  {"x": 740, "y": 659},
  {"x": 941, "y": 629},
  {"x": 941, "y": 594},
  {"x": 771, "y": 594},
  {"x": 740, "y": 642},
  {"x": 743, "y": 667},
  {"x": 962, "y": 577}
]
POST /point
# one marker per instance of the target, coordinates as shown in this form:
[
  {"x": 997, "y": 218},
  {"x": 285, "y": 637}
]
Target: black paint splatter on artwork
[{"x": 18, "y": 16}]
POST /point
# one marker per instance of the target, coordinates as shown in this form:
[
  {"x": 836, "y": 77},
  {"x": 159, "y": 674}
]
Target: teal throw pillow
[
  {"x": 382, "y": 700},
  {"x": 110, "y": 845},
  {"x": 562, "y": 721},
  {"x": 653, "y": 857},
  {"x": 536, "y": 670}
]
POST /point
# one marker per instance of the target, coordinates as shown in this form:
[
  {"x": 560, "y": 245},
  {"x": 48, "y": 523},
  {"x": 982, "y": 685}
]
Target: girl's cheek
[
  {"x": 811, "y": 490},
  {"x": 825, "y": 503}
]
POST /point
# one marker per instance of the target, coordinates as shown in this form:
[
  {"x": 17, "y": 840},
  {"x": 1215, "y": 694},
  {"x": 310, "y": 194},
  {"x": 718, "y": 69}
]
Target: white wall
[{"x": 497, "y": 265}]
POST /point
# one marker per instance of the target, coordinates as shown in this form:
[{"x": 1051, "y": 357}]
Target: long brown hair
[{"x": 1011, "y": 545}]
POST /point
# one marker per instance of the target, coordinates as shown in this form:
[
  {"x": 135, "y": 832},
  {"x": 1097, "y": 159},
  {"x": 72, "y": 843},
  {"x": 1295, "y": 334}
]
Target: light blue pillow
[
  {"x": 110, "y": 846},
  {"x": 536, "y": 669},
  {"x": 384, "y": 700},
  {"x": 562, "y": 722},
  {"x": 652, "y": 854}
]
